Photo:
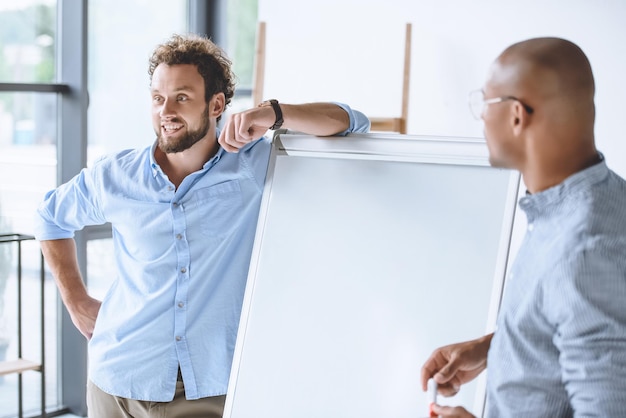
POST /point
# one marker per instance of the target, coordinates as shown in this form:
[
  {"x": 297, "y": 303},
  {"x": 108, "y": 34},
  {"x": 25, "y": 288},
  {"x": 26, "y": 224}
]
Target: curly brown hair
[{"x": 212, "y": 63}]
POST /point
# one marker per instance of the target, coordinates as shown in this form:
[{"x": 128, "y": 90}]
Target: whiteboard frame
[{"x": 381, "y": 147}]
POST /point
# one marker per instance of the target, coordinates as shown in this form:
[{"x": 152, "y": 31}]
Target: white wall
[{"x": 352, "y": 51}]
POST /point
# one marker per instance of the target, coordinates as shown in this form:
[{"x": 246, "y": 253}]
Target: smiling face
[{"x": 180, "y": 113}]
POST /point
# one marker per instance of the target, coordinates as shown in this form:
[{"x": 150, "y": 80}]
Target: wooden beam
[
  {"x": 18, "y": 366},
  {"x": 258, "y": 78}
]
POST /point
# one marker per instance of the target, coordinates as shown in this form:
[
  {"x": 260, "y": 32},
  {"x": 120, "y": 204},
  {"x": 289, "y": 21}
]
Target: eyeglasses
[{"x": 477, "y": 103}]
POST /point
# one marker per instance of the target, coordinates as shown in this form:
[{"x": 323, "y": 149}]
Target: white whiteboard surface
[{"x": 371, "y": 251}]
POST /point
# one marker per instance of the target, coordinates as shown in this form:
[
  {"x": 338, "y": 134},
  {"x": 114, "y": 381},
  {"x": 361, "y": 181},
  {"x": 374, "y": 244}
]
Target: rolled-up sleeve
[
  {"x": 359, "y": 123},
  {"x": 67, "y": 209}
]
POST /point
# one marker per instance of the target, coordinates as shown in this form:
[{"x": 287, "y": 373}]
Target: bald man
[{"x": 559, "y": 349}]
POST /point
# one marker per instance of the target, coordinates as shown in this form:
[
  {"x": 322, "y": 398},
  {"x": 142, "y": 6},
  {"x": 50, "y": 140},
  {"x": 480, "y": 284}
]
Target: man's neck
[
  {"x": 178, "y": 165},
  {"x": 549, "y": 174}
]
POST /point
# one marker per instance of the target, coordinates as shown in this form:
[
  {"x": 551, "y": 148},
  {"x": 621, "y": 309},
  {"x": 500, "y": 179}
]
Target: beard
[{"x": 187, "y": 140}]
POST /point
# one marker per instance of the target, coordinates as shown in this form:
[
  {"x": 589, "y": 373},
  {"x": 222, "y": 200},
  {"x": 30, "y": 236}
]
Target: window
[
  {"x": 240, "y": 47},
  {"x": 27, "y": 38},
  {"x": 28, "y": 138},
  {"x": 120, "y": 43}
]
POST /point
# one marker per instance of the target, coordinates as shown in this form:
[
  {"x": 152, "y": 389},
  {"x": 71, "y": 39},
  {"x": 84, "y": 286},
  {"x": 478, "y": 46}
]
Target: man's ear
[
  {"x": 217, "y": 105},
  {"x": 519, "y": 118}
]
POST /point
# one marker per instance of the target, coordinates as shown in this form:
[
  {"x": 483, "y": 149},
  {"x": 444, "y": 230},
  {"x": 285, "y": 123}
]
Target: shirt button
[
  {"x": 170, "y": 188},
  {"x": 178, "y": 338},
  {"x": 181, "y": 304},
  {"x": 175, "y": 204},
  {"x": 531, "y": 227},
  {"x": 179, "y": 236},
  {"x": 183, "y": 270}
]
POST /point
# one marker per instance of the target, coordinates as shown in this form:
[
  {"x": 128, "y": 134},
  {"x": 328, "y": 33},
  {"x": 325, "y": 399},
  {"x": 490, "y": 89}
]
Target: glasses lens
[{"x": 476, "y": 103}]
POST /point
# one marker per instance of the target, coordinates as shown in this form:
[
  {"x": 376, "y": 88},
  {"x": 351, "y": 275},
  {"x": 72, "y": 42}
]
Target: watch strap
[{"x": 278, "y": 112}]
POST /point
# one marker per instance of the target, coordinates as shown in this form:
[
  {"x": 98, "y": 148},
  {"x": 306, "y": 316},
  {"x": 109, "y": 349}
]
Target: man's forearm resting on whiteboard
[{"x": 321, "y": 119}]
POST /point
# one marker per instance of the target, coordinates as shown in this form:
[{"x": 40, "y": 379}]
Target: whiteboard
[{"x": 371, "y": 251}]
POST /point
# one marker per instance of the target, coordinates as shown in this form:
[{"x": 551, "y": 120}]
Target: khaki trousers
[{"x": 102, "y": 405}]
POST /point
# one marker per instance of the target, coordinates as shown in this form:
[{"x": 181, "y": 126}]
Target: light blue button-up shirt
[
  {"x": 182, "y": 258},
  {"x": 560, "y": 346}
]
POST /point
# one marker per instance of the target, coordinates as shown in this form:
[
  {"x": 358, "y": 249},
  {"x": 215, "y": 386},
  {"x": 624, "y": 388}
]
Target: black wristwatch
[{"x": 277, "y": 110}]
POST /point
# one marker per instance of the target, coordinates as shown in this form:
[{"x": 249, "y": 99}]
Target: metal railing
[{"x": 21, "y": 365}]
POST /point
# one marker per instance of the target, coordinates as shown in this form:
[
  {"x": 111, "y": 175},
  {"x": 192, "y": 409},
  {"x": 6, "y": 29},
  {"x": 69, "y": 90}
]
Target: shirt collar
[
  {"x": 156, "y": 169},
  {"x": 577, "y": 182},
  {"x": 153, "y": 164}
]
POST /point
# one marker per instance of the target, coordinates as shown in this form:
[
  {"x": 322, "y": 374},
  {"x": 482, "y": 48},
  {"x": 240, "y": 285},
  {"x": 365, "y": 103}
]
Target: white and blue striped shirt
[{"x": 560, "y": 345}]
